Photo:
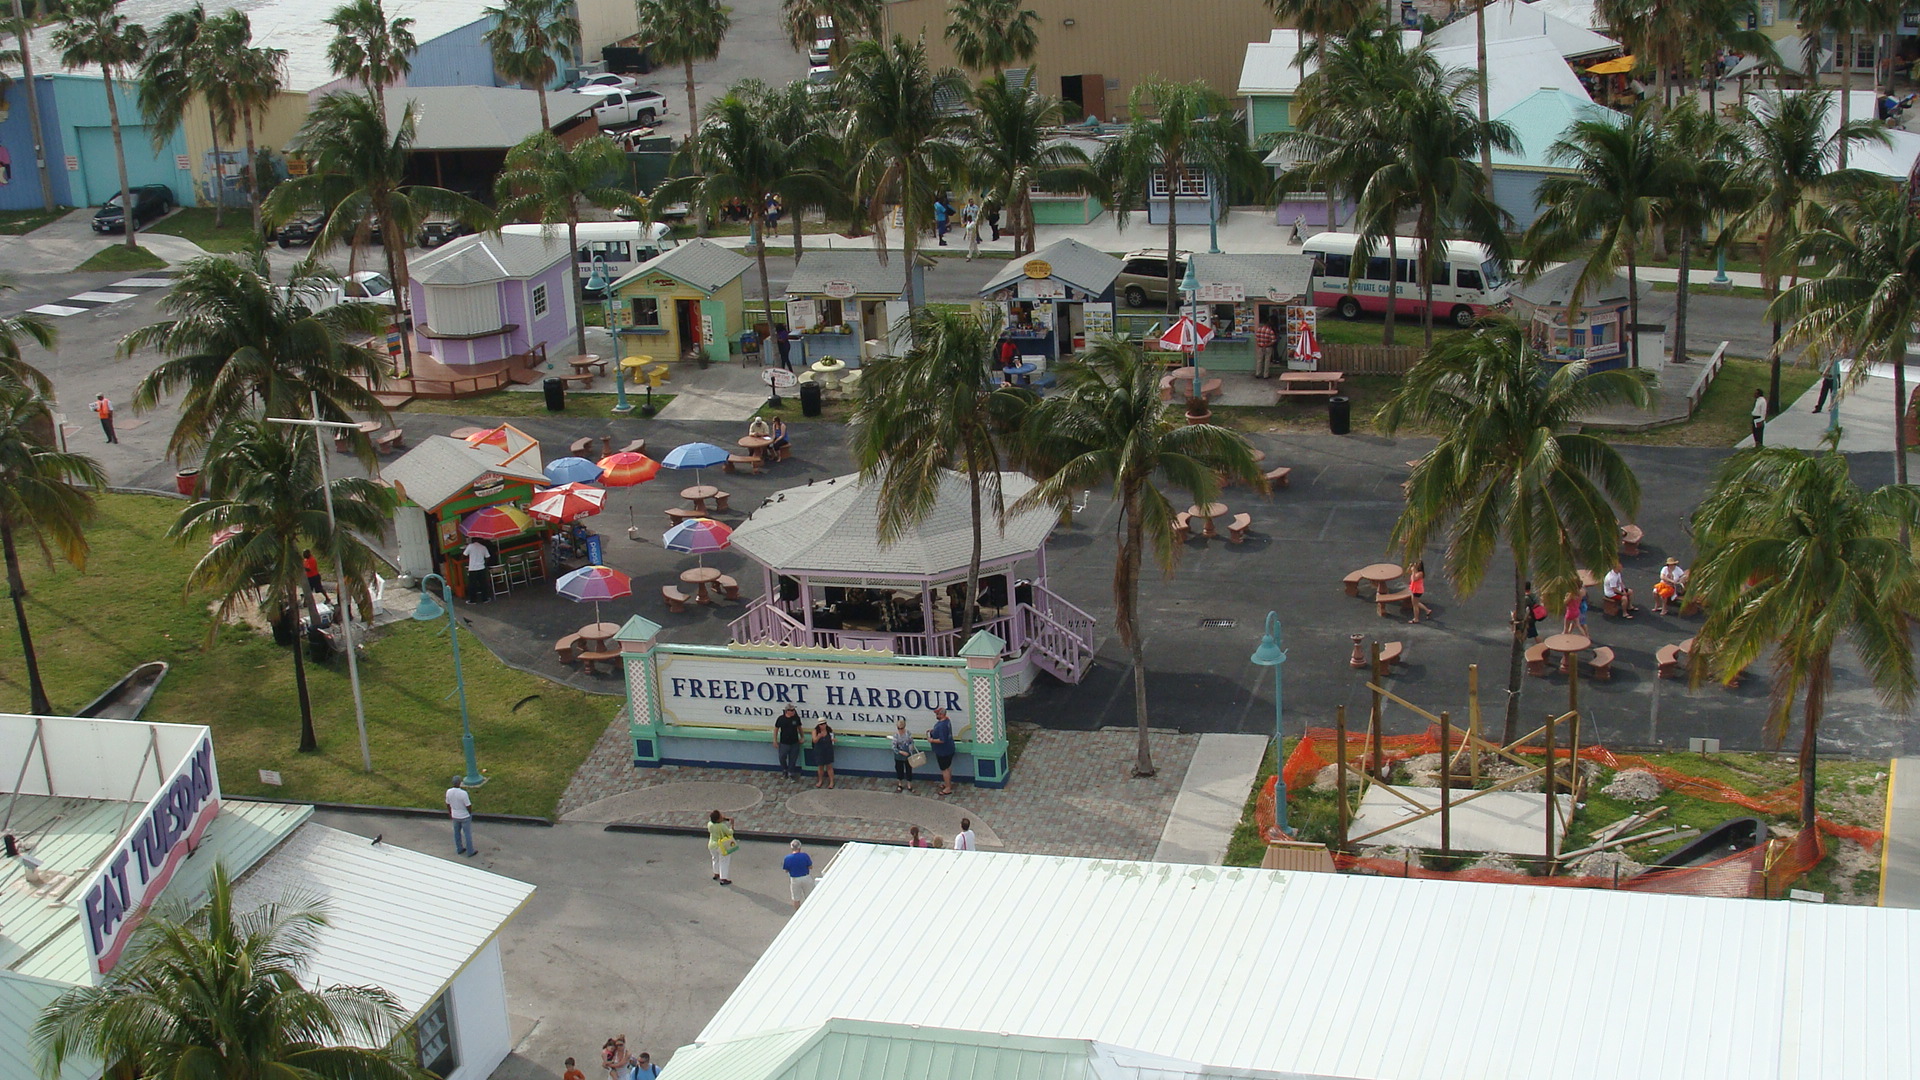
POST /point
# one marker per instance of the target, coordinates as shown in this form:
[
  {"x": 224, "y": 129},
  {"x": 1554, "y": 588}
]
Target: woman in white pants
[{"x": 721, "y": 845}]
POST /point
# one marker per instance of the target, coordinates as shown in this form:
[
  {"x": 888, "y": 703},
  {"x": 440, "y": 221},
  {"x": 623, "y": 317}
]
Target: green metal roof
[
  {"x": 1540, "y": 119},
  {"x": 864, "y": 1050},
  {"x": 22, "y": 1000}
]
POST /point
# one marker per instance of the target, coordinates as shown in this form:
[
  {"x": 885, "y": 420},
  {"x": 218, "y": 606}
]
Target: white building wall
[
  {"x": 603, "y": 22},
  {"x": 480, "y": 1028}
]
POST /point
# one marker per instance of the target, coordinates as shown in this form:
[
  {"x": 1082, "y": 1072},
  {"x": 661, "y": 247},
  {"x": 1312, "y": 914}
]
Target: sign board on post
[
  {"x": 857, "y": 699},
  {"x": 132, "y": 876},
  {"x": 778, "y": 378},
  {"x": 593, "y": 549},
  {"x": 839, "y": 290},
  {"x": 1220, "y": 293}
]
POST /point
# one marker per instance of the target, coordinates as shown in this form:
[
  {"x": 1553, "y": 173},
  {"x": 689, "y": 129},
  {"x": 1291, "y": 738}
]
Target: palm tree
[
  {"x": 251, "y": 76},
  {"x": 1512, "y": 466},
  {"x": 358, "y": 172},
  {"x": 901, "y": 136},
  {"x": 1175, "y": 129},
  {"x": 220, "y": 992},
  {"x": 183, "y": 62},
  {"x": 933, "y": 411},
  {"x": 1844, "y": 19},
  {"x": 94, "y": 32},
  {"x": 991, "y": 34},
  {"x": 1794, "y": 556},
  {"x": 525, "y": 38},
  {"x": 263, "y": 482},
  {"x": 1701, "y": 151},
  {"x": 1867, "y": 302},
  {"x": 1010, "y": 152},
  {"x": 369, "y": 47},
  {"x": 1106, "y": 424},
  {"x": 236, "y": 344},
  {"x": 685, "y": 32},
  {"x": 746, "y": 159},
  {"x": 24, "y": 327},
  {"x": 1787, "y": 165},
  {"x": 545, "y": 180},
  {"x": 44, "y": 497},
  {"x": 793, "y": 120},
  {"x": 851, "y": 19},
  {"x": 1619, "y": 191},
  {"x": 23, "y": 55},
  {"x": 1316, "y": 21}
]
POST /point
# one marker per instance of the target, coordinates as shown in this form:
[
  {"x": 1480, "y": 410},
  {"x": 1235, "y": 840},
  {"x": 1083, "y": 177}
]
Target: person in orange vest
[{"x": 103, "y": 409}]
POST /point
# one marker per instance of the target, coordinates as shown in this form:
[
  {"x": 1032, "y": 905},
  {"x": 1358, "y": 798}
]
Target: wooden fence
[{"x": 1369, "y": 359}]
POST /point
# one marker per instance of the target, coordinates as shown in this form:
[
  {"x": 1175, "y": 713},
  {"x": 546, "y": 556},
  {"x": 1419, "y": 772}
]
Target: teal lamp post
[
  {"x": 598, "y": 284},
  {"x": 428, "y": 610},
  {"x": 1190, "y": 285},
  {"x": 1270, "y": 654}
]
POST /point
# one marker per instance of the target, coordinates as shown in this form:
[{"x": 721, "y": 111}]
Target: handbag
[
  {"x": 1539, "y": 612},
  {"x": 728, "y": 845},
  {"x": 917, "y": 759}
]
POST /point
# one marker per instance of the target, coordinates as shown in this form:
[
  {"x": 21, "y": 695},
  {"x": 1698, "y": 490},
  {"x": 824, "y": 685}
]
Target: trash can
[
  {"x": 556, "y": 390},
  {"x": 186, "y": 481},
  {"x": 810, "y": 399},
  {"x": 1339, "y": 415}
]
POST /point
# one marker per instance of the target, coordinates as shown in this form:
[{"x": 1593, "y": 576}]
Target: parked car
[
  {"x": 365, "y": 286},
  {"x": 150, "y": 201},
  {"x": 1143, "y": 275},
  {"x": 624, "y": 108},
  {"x": 605, "y": 81},
  {"x": 438, "y": 230},
  {"x": 303, "y": 228}
]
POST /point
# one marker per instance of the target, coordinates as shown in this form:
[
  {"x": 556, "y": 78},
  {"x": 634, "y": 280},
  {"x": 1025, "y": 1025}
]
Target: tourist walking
[
  {"x": 941, "y": 212},
  {"x": 103, "y": 409},
  {"x": 1759, "y": 419},
  {"x": 940, "y": 737},
  {"x": 799, "y": 867},
  {"x": 644, "y": 1068},
  {"x": 460, "y": 808},
  {"x": 972, "y": 229},
  {"x": 1829, "y": 384},
  {"x": 964, "y": 840},
  {"x": 786, "y": 741},
  {"x": 1532, "y": 611},
  {"x": 616, "y": 1060},
  {"x": 903, "y": 755},
  {"x": 311, "y": 567},
  {"x": 993, "y": 221},
  {"x": 1417, "y": 588},
  {"x": 823, "y": 754},
  {"x": 721, "y": 845}
]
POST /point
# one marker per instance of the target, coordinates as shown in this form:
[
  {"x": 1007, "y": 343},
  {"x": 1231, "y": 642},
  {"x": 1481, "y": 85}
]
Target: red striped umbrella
[
  {"x": 568, "y": 502},
  {"x": 626, "y": 469},
  {"x": 496, "y": 523},
  {"x": 1186, "y": 335},
  {"x": 490, "y": 437}
]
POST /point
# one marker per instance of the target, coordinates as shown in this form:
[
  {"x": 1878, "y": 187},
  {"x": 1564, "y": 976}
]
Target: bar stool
[{"x": 501, "y": 580}]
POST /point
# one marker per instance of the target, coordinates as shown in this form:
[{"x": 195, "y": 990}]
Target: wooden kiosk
[{"x": 442, "y": 480}]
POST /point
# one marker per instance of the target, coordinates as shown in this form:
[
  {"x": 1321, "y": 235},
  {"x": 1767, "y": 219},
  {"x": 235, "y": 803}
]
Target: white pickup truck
[
  {"x": 366, "y": 286},
  {"x": 616, "y": 108}
]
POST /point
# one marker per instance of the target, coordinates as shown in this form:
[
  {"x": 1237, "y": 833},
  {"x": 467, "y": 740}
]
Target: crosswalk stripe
[
  {"x": 57, "y": 310},
  {"x": 103, "y": 297},
  {"x": 143, "y": 283}
]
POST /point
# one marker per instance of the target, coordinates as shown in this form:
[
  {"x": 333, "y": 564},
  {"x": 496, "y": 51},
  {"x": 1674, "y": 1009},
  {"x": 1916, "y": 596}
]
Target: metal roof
[
  {"x": 477, "y": 117},
  {"x": 484, "y": 257},
  {"x": 699, "y": 262},
  {"x": 862, "y": 267},
  {"x": 1555, "y": 288},
  {"x": 1269, "y": 67},
  {"x": 833, "y": 527},
  {"x": 1263, "y": 969},
  {"x": 1275, "y": 277},
  {"x": 1540, "y": 119},
  {"x": 1085, "y": 268},
  {"x": 1510, "y": 20},
  {"x": 22, "y": 1000},
  {"x": 1516, "y": 68},
  {"x": 396, "y": 918},
  {"x": 436, "y": 469}
]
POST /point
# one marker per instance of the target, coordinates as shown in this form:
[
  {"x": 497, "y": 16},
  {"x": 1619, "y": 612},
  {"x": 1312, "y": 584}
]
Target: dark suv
[
  {"x": 303, "y": 228},
  {"x": 150, "y": 201},
  {"x": 438, "y": 230}
]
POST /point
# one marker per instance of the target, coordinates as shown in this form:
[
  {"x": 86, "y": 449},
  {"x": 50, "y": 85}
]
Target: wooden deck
[{"x": 432, "y": 379}]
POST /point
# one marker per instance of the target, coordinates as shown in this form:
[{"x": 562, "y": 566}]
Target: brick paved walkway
[{"x": 1069, "y": 795}]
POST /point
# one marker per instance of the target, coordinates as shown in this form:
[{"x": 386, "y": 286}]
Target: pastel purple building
[{"x": 485, "y": 298}]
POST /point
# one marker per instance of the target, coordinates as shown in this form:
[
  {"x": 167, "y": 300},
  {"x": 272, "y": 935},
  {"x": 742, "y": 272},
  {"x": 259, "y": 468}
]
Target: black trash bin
[
  {"x": 1339, "y": 415},
  {"x": 556, "y": 394},
  {"x": 810, "y": 399}
]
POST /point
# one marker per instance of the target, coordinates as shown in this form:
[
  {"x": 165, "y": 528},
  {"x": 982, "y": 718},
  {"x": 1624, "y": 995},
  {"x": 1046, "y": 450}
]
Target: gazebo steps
[{"x": 393, "y": 401}]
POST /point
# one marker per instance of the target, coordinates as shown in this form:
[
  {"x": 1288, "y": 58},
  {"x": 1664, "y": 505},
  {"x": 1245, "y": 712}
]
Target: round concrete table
[
  {"x": 599, "y": 633},
  {"x": 829, "y": 371},
  {"x": 1380, "y": 574},
  {"x": 1568, "y": 646},
  {"x": 699, "y": 494},
  {"x": 1206, "y": 514},
  {"x": 701, "y": 577}
]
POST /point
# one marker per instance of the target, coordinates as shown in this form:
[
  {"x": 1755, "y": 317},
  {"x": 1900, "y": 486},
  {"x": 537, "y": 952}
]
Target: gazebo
[
  {"x": 1594, "y": 332},
  {"x": 829, "y": 582}
]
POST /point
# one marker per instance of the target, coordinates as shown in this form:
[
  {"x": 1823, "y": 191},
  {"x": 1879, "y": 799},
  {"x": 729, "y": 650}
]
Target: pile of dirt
[
  {"x": 1634, "y": 785},
  {"x": 1498, "y": 860},
  {"x": 1421, "y": 771},
  {"x": 1409, "y": 856},
  {"x": 1507, "y": 770}
]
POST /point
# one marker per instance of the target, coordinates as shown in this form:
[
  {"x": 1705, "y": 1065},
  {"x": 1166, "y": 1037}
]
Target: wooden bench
[
  {"x": 1308, "y": 384},
  {"x": 676, "y": 600},
  {"x": 1391, "y": 653},
  {"x": 728, "y": 587},
  {"x": 1668, "y": 657},
  {"x": 580, "y": 447},
  {"x": 720, "y": 500},
  {"x": 579, "y": 378},
  {"x": 1602, "y": 663},
  {"x": 1630, "y": 537},
  {"x": 637, "y": 446},
  {"x": 588, "y": 659},
  {"x": 678, "y": 514},
  {"x": 1237, "y": 528},
  {"x": 1183, "y": 526},
  {"x": 734, "y": 461},
  {"x": 1352, "y": 582},
  {"x": 1537, "y": 660},
  {"x": 1279, "y": 477},
  {"x": 1403, "y": 598},
  {"x": 388, "y": 441},
  {"x": 563, "y": 649}
]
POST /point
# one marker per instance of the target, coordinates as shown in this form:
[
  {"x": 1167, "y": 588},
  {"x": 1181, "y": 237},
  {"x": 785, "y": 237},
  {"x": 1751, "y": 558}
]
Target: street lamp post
[
  {"x": 1270, "y": 654},
  {"x": 346, "y": 610},
  {"x": 1190, "y": 284},
  {"x": 428, "y": 610}
]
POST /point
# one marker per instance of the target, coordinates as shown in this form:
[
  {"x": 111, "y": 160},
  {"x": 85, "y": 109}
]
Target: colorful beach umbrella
[
  {"x": 573, "y": 470},
  {"x": 626, "y": 469},
  {"x": 496, "y": 523},
  {"x": 1186, "y": 335},
  {"x": 491, "y": 437},
  {"x": 568, "y": 502},
  {"x": 594, "y": 584},
  {"x": 696, "y": 455},
  {"x": 697, "y": 536}
]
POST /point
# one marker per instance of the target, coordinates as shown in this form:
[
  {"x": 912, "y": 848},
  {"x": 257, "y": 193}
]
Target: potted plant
[{"x": 1197, "y": 411}]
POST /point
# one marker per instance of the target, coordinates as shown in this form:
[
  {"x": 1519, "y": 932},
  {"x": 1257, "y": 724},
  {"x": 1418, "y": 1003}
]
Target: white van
[
  {"x": 1472, "y": 284},
  {"x": 618, "y": 246}
]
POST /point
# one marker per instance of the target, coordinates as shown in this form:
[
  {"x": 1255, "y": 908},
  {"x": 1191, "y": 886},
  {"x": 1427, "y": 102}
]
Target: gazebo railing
[
  {"x": 764, "y": 624},
  {"x": 1059, "y": 635}
]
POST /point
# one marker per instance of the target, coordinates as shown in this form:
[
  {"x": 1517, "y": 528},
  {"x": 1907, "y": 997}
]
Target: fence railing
[
  {"x": 1370, "y": 359},
  {"x": 1705, "y": 379}
]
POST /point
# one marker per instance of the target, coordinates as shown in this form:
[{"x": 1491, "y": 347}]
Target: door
[
  {"x": 1072, "y": 91},
  {"x": 714, "y": 330},
  {"x": 1069, "y": 329},
  {"x": 898, "y": 339},
  {"x": 686, "y": 324},
  {"x": 1093, "y": 95}
]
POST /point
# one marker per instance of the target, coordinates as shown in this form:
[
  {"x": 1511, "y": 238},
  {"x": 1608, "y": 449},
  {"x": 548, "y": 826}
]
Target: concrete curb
[
  {"x": 403, "y": 811},
  {"x": 700, "y": 831}
]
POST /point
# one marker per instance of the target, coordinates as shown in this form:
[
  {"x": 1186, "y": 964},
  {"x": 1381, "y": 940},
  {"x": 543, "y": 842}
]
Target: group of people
[
  {"x": 775, "y": 429},
  {"x": 907, "y": 756},
  {"x": 1667, "y": 593},
  {"x": 971, "y": 218},
  {"x": 619, "y": 1063},
  {"x": 786, "y": 744},
  {"x": 738, "y": 210}
]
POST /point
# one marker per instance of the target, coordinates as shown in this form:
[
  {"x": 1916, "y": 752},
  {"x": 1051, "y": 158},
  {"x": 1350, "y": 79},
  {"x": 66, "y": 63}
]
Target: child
[{"x": 1417, "y": 585}]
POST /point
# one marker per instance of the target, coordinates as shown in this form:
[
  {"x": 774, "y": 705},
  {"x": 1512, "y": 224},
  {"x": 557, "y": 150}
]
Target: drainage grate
[{"x": 1219, "y": 623}]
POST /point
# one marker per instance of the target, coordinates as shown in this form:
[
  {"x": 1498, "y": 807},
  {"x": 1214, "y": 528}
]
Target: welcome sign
[{"x": 856, "y": 698}]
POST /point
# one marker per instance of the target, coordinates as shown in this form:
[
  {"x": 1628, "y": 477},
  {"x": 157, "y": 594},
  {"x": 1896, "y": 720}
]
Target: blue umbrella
[
  {"x": 696, "y": 456},
  {"x": 572, "y": 470}
]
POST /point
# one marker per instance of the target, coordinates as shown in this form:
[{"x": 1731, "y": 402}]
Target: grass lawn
[
  {"x": 521, "y": 403},
  {"x": 90, "y": 628},
  {"x": 195, "y": 223},
  {"x": 20, "y": 222},
  {"x": 117, "y": 258},
  {"x": 1367, "y": 330},
  {"x": 1726, "y": 412}
]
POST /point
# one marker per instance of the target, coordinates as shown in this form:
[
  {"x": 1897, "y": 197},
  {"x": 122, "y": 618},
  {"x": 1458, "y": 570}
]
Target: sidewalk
[
  {"x": 59, "y": 247},
  {"x": 1865, "y": 416},
  {"x": 1211, "y": 798},
  {"x": 1900, "y": 851}
]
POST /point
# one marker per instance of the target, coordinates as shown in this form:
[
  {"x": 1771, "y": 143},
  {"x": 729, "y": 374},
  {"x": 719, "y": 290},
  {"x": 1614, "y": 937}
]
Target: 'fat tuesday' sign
[
  {"x": 140, "y": 867},
  {"x": 858, "y": 699}
]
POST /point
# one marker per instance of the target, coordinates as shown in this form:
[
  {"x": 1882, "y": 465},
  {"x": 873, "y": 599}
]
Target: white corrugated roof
[
  {"x": 396, "y": 919},
  {"x": 1510, "y": 20},
  {"x": 1345, "y": 975},
  {"x": 1577, "y": 12},
  {"x": 1085, "y": 268},
  {"x": 483, "y": 257},
  {"x": 1894, "y": 159},
  {"x": 477, "y": 117},
  {"x": 1516, "y": 68}
]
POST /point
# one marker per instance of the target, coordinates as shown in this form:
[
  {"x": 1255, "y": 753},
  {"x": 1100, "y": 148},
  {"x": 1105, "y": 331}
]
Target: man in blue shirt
[
  {"x": 941, "y": 212},
  {"x": 799, "y": 867},
  {"x": 942, "y": 739}
]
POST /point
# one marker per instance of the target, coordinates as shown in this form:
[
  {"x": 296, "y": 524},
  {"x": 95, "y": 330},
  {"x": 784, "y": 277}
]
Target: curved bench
[
  {"x": 1404, "y": 598},
  {"x": 1237, "y": 528},
  {"x": 1537, "y": 660},
  {"x": 1668, "y": 657},
  {"x": 1602, "y": 664}
]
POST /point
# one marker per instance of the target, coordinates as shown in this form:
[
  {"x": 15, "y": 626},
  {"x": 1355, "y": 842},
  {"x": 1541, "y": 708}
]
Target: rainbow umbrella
[
  {"x": 568, "y": 502},
  {"x": 595, "y": 583},
  {"x": 698, "y": 536},
  {"x": 573, "y": 470},
  {"x": 696, "y": 456},
  {"x": 627, "y": 469},
  {"x": 496, "y": 523},
  {"x": 490, "y": 437}
]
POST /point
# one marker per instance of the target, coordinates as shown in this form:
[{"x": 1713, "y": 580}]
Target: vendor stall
[
  {"x": 681, "y": 301},
  {"x": 442, "y": 481},
  {"x": 1053, "y": 300},
  {"x": 849, "y": 306},
  {"x": 1237, "y": 293},
  {"x": 1594, "y": 330}
]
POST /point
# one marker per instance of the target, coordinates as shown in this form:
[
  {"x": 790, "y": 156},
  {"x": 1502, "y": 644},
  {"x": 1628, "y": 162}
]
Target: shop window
[
  {"x": 539, "y": 301},
  {"x": 1866, "y": 52},
  {"x": 646, "y": 311},
  {"x": 1192, "y": 184},
  {"x": 433, "y": 1037},
  {"x": 831, "y": 313}
]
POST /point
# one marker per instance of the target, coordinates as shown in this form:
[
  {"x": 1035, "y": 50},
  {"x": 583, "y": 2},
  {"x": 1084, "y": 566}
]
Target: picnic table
[
  {"x": 701, "y": 577},
  {"x": 1308, "y": 384},
  {"x": 598, "y": 634},
  {"x": 586, "y": 362},
  {"x": 699, "y": 494},
  {"x": 1380, "y": 575},
  {"x": 1206, "y": 514},
  {"x": 1569, "y": 646},
  {"x": 754, "y": 445},
  {"x": 1020, "y": 373},
  {"x": 828, "y": 370}
]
